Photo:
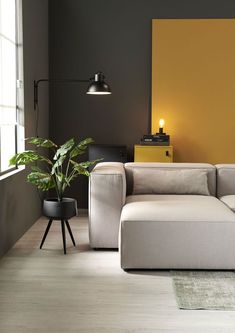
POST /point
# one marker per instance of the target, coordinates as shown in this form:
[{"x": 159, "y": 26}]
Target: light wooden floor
[{"x": 87, "y": 291}]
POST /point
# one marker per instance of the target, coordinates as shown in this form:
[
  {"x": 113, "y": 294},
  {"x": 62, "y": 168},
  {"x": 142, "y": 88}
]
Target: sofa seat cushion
[
  {"x": 229, "y": 200},
  {"x": 175, "y": 208},
  {"x": 177, "y": 232}
]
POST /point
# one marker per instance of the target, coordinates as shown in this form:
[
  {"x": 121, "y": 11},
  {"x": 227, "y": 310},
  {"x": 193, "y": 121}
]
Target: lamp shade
[{"x": 98, "y": 86}]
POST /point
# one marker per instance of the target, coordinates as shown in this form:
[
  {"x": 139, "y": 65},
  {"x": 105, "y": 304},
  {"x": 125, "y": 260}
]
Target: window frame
[
  {"x": 19, "y": 89},
  {"x": 16, "y": 146}
]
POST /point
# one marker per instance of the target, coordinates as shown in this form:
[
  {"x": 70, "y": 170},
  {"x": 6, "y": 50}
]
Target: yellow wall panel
[{"x": 193, "y": 87}]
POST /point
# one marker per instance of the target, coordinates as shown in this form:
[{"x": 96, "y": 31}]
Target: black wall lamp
[{"x": 97, "y": 85}]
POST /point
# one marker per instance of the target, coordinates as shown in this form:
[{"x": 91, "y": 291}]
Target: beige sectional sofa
[{"x": 177, "y": 215}]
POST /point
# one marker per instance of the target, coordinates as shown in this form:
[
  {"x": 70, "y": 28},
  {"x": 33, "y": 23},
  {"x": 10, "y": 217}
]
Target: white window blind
[{"x": 11, "y": 72}]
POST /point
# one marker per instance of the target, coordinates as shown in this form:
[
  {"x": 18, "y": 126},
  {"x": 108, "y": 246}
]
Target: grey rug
[{"x": 204, "y": 290}]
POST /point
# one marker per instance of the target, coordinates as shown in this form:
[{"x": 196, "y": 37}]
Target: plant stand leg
[
  {"x": 70, "y": 232},
  {"x": 46, "y": 232},
  {"x": 63, "y": 235}
]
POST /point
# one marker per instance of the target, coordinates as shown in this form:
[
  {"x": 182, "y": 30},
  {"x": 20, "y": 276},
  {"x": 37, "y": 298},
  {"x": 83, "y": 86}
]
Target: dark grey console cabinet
[{"x": 109, "y": 153}]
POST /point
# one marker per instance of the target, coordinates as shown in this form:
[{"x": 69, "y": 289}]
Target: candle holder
[
  {"x": 161, "y": 125},
  {"x": 161, "y": 131}
]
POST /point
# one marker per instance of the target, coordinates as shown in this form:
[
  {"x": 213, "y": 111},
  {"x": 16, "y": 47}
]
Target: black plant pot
[{"x": 60, "y": 210}]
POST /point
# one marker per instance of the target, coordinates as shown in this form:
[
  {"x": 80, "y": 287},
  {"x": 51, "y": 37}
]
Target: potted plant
[{"x": 55, "y": 173}]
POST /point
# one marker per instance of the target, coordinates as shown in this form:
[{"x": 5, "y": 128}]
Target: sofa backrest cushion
[
  {"x": 170, "y": 181},
  {"x": 225, "y": 179},
  {"x": 142, "y": 169}
]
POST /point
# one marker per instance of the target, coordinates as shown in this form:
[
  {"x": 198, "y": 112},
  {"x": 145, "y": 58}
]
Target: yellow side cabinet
[{"x": 153, "y": 153}]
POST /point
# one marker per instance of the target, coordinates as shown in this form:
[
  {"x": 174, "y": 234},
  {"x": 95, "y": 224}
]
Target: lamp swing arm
[
  {"x": 97, "y": 85},
  {"x": 37, "y": 82}
]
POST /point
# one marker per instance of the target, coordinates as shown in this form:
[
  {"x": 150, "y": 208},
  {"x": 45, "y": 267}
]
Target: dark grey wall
[
  {"x": 19, "y": 201},
  {"x": 113, "y": 36}
]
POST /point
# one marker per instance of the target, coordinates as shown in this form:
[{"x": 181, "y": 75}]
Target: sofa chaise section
[{"x": 177, "y": 232}]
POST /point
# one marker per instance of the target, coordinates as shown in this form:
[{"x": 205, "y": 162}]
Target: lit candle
[{"x": 161, "y": 125}]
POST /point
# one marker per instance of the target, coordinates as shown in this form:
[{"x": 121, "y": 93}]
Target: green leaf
[
  {"x": 80, "y": 148},
  {"x": 42, "y": 180},
  {"x": 58, "y": 163},
  {"x": 40, "y": 142},
  {"x": 82, "y": 167},
  {"x": 64, "y": 149},
  {"x": 79, "y": 168},
  {"x": 76, "y": 151},
  {"x": 85, "y": 142},
  {"x": 81, "y": 171},
  {"x": 87, "y": 164},
  {"x": 27, "y": 157}
]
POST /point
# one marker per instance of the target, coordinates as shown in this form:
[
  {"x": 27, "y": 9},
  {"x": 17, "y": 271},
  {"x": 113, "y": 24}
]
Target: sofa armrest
[{"x": 107, "y": 195}]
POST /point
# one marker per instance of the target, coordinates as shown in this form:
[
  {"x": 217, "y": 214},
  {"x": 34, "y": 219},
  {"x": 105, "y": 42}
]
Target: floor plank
[{"x": 87, "y": 291}]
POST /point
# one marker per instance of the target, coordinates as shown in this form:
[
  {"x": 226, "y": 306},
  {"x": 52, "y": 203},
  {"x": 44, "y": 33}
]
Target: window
[{"x": 11, "y": 82}]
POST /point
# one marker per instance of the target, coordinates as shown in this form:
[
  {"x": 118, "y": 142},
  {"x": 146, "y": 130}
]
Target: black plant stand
[{"x": 63, "y": 222}]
